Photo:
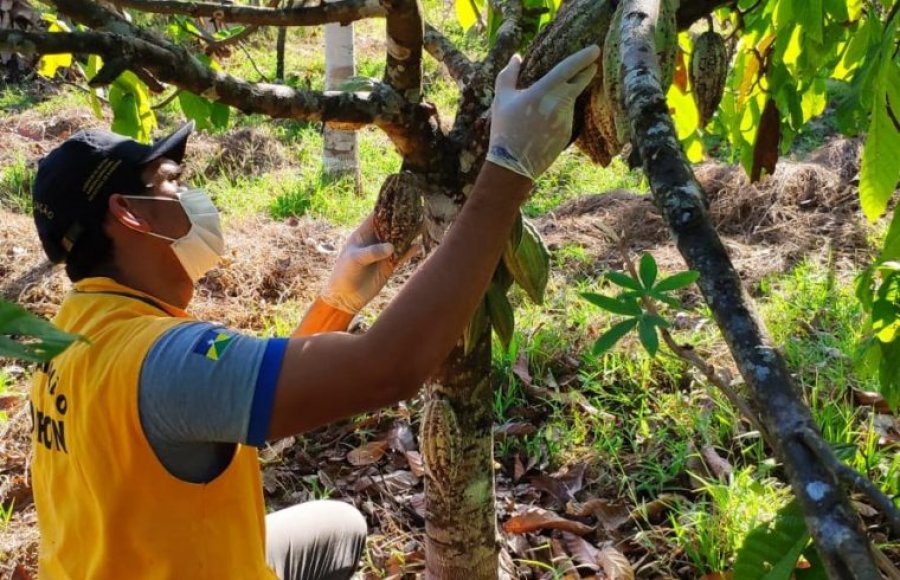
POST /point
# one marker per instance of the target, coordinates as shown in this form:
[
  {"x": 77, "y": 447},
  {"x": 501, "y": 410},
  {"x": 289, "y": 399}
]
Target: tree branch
[
  {"x": 383, "y": 107},
  {"x": 442, "y": 49},
  {"x": 342, "y": 11},
  {"x": 509, "y": 36},
  {"x": 854, "y": 479},
  {"x": 831, "y": 521},
  {"x": 405, "y": 32}
]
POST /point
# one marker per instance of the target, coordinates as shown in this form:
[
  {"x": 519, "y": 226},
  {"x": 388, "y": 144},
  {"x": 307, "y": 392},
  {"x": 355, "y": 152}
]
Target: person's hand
[
  {"x": 531, "y": 127},
  {"x": 362, "y": 269}
]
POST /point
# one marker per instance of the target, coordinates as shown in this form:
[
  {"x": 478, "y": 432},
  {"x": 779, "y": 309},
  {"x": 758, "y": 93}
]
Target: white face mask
[{"x": 200, "y": 249}]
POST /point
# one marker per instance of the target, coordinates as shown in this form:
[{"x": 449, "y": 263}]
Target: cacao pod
[
  {"x": 579, "y": 23},
  {"x": 666, "y": 42},
  {"x": 399, "y": 211},
  {"x": 708, "y": 71},
  {"x": 529, "y": 262},
  {"x": 439, "y": 441}
]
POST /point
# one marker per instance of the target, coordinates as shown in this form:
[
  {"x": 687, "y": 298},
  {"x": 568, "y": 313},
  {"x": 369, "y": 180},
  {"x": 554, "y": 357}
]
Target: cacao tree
[{"x": 755, "y": 88}]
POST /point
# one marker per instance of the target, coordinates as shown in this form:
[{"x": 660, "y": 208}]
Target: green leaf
[
  {"x": 648, "y": 336},
  {"x": 50, "y": 63},
  {"x": 196, "y": 108},
  {"x": 220, "y": 115},
  {"x": 880, "y": 168},
  {"x": 467, "y": 12},
  {"x": 677, "y": 281},
  {"x": 43, "y": 341},
  {"x": 613, "y": 335},
  {"x": 475, "y": 328},
  {"x": 647, "y": 270},
  {"x": 771, "y": 550},
  {"x": 816, "y": 570},
  {"x": 92, "y": 67},
  {"x": 666, "y": 299},
  {"x": 658, "y": 320},
  {"x": 130, "y": 102},
  {"x": 529, "y": 262},
  {"x": 500, "y": 313},
  {"x": 126, "y": 119},
  {"x": 623, "y": 307},
  {"x": 624, "y": 280}
]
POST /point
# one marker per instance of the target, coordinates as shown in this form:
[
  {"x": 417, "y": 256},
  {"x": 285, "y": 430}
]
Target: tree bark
[
  {"x": 280, "y": 41},
  {"x": 340, "y": 155},
  {"x": 832, "y": 522},
  {"x": 457, "y": 443}
]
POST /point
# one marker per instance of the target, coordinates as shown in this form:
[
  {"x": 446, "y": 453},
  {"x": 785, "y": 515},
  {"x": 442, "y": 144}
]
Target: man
[{"x": 145, "y": 435}]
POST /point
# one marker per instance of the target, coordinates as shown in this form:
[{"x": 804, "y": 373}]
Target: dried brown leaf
[
  {"x": 562, "y": 562},
  {"x": 520, "y": 369},
  {"x": 513, "y": 428},
  {"x": 652, "y": 511},
  {"x": 615, "y": 564},
  {"x": 414, "y": 458},
  {"x": 540, "y": 519},
  {"x": 368, "y": 453},
  {"x": 581, "y": 550},
  {"x": 871, "y": 399},
  {"x": 768, "y": 138},
  {"x": 610, "y": 515},
  {"x": 518, "y": 468},
  {"x": 9, "y": 402}
]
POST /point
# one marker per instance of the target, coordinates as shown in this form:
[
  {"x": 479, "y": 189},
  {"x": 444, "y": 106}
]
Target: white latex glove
[
  {"x": 531, "y": 127},
  {"x": 361, "y": 271}
]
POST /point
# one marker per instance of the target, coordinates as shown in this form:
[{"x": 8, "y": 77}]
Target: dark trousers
[{"x": 317, "y": 540}]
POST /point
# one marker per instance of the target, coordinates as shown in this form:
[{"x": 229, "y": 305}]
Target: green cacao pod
[
  {"x": 708, "y": 71},
  {"x": 666, "y": 42},
  {"x": 399, "y": 211},
  {"x": 529, "y": 262}
]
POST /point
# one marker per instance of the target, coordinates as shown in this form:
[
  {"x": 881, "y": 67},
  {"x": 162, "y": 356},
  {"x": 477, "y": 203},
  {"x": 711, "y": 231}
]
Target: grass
[{"x": 15, "y": 186}]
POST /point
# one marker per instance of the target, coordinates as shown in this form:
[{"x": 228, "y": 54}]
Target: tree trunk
[
  {"x": 279, "y": 54},
  {"x": 457, "y": 448},
  {"x": 340, "y": 154}
]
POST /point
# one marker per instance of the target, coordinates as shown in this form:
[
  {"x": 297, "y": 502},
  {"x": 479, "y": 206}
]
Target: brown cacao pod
[
  {"x": 708, "y": 71},
  {"x": 399, "y": 211}
]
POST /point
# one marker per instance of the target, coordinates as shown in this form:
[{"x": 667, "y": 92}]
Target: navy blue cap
[{"x": 75, "y": 180}]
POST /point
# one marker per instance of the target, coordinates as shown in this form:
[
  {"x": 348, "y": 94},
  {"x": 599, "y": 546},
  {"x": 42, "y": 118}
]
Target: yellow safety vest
[{"x": 106, "y": 506}]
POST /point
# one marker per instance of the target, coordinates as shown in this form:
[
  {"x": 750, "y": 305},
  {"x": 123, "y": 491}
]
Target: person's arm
[
  {"x": 334, "y": 375},
  {"x": 414, "y": 333},
  {"x": 322, "y": 317}
]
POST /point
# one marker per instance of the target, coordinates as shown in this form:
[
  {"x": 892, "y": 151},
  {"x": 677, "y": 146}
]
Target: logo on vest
[{"x": 47, "y": 425}]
